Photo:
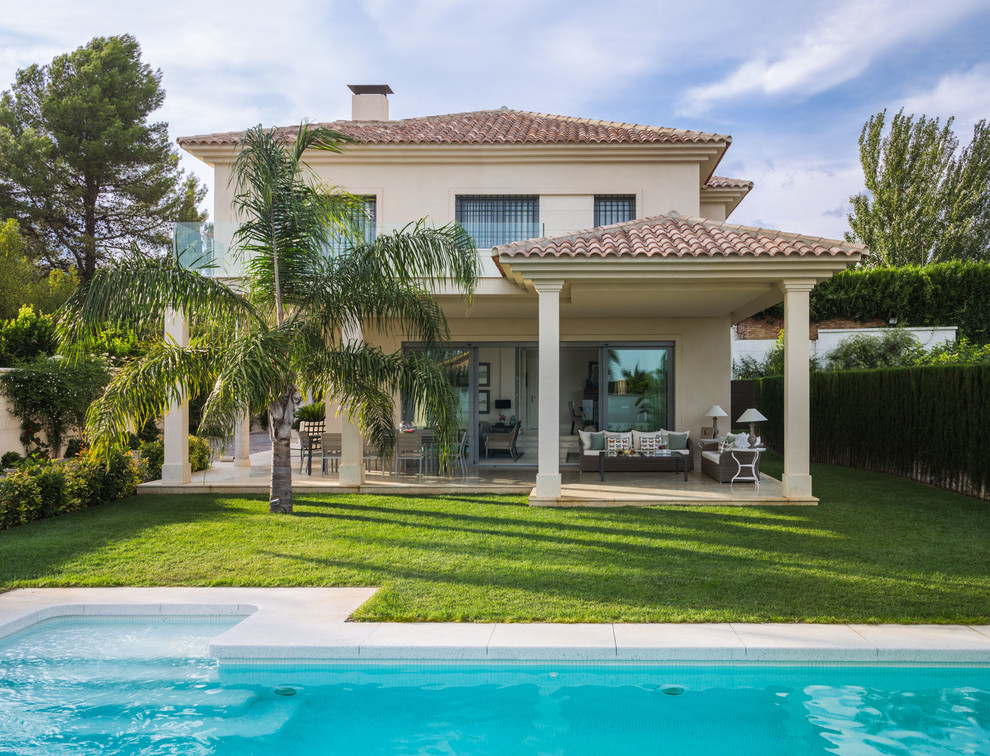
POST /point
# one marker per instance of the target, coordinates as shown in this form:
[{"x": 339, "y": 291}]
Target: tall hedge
[
  {"x": 927, "y": 423},
  {"x": 941, "y": 294}
]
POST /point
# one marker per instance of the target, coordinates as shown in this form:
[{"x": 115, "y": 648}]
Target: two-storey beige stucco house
[{"x": 611, "y": 276}]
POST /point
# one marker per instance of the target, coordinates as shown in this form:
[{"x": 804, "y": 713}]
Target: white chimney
[{"x": 369, "y": 102}]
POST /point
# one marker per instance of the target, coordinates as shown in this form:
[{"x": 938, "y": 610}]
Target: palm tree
[{"x": 282, "y": 328}]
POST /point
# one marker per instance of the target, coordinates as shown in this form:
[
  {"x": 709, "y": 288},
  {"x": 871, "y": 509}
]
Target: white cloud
[
  {"x": 963, "y": 94},
  {"x": 803, "y": 196},
  {"x": 834, "y": 48}
]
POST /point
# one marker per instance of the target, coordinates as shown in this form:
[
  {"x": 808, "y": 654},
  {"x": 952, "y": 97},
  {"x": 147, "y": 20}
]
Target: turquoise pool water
[{"x": 147, "y": 686}]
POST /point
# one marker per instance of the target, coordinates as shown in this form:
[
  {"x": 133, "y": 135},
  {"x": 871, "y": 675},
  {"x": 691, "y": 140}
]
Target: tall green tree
[
  {"x": 23, "y": 282},
  {"x": 925, "y": 200},
  {"x": 81, "y": 167},
  {"x": 283, "y": 329}
]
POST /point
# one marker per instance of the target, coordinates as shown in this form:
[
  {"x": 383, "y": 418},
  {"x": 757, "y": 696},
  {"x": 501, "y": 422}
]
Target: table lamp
[
  {"x": 751, "y": 416},
  {"x": 715, "y": 412}
]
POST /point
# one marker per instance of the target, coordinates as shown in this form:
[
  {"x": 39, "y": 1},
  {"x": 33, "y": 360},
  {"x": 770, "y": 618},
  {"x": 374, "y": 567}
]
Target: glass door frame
[
  {"x": 471, "y": 347},
  {"x": 603, "y": 348}
]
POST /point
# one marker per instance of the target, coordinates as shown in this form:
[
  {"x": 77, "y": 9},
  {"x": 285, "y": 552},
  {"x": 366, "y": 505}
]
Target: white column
[
  {"x": 175, "y": 468},
  {"x": 797, "y": 390},
  {"x": 352, "y": 445},
  {"x": 548, "y": 474},
  {"x": 242, "y": 441}
]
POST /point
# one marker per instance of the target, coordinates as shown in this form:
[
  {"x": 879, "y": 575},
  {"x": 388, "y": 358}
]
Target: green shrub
[
  {"x": 26, "y": 337},
  {"x": 40, "y": 489},
  {"x": 940, "y": 294},
  {"x": 91, "y": 481},
  {"x": 928, "y": 423},
  {"x": 53, "y": 394},
  {"x": 74, "y": 447},
  {"x": 10, "y": 459},
  {"x": 309, "y": 413},
  {"x": 892, "y": 348},
  {"x": 153, "y": 457},
  {"x": 200, "y": 454}
]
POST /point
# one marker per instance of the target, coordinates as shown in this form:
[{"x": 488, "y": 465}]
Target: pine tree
[{"x": 81, "y": 167}]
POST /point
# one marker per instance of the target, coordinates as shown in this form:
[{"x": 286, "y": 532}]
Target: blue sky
[{"x": 792, "y": 82}]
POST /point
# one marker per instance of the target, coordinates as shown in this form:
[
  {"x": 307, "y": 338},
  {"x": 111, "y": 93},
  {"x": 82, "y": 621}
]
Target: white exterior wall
[
  {"x": 10, "y": 429},
  {"x": 408, "y": 192}
]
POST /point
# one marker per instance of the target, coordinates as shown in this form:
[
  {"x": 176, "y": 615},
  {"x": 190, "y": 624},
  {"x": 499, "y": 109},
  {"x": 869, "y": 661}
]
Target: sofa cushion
[
  {"x": 585, "y": 437},
  {"x": 626, "y": 437},
  {"x": 638, "y": 437},
  {"x": 592, "y": 452},
  {"x": 677, "y": 441},
  {"x": 597, "y": 441},
  {"x": 711, "y": 456}
]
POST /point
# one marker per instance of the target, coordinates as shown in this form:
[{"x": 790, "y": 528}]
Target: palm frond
[
  {"x": 365, "y": 381},
  {"x": 138, "y": 292},
  {"x": 251, "y": 373},
  {"x": 434, "y": 256},
  {"x": 289, "y": 222},
  {"x": 144, "y": 388}
]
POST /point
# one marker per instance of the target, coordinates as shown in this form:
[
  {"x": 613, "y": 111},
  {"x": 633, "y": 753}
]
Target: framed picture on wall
[
  {"x": 484, "y": 402},
  {"x": 593, "y": 374},
  {"x": 484, "y": 374}
]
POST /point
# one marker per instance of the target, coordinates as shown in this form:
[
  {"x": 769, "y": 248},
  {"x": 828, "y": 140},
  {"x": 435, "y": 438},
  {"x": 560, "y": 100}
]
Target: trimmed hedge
[
  {"x": 153, "y": 457},
  {"x": 926, "y": 423},
  {"x": 44, "y": 489},
  {"x": 941, "y": 294}
]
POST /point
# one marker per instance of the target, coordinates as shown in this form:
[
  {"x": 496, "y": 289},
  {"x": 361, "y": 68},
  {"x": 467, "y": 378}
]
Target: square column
[
  {"x": 351, "y": 443},
  {"x": 242, "y": 441},
  {"x": 797, "y": 390},
  {"x": 175, "y": 468},
  {"x": 548, "y": 474}
]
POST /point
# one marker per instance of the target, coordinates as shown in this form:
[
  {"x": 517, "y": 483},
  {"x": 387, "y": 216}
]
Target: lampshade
[
  {"x": 715, "y": 411},
  {"x": 752, "y": 415}
]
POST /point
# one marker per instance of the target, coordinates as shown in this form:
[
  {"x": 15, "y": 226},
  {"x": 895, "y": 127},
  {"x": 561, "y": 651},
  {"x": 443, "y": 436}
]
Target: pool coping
[{"x": 310, "y": 625}]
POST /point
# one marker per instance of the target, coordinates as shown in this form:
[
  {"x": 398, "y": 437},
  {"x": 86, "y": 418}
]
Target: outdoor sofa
[
  {"x": 740, "y": 463},
  {"x": 588, "y": 459}
]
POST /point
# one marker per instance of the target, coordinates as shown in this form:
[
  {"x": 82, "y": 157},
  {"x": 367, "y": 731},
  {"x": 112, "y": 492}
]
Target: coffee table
[{"x": 624, "y": 462}]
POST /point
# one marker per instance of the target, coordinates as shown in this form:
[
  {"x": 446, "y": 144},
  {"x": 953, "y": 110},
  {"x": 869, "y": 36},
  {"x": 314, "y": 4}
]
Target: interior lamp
[
  {"x": 751, "y": 416},
  {"x": 715, "y": 412}
]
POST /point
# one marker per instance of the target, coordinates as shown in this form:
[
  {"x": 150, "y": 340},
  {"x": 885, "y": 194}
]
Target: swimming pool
[{"x": 146, "y": 685}]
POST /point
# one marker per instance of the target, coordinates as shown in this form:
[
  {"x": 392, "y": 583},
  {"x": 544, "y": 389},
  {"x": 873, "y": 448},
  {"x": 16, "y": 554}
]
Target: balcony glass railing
[{"x": 208, "y": 246}]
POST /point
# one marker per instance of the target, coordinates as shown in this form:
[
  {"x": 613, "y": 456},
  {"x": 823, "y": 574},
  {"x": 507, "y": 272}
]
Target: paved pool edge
[{"x": 309, "y": 624}]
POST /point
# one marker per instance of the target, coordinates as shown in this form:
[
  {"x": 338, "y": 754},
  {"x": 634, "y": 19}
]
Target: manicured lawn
[{"x": 878, "y": 549}]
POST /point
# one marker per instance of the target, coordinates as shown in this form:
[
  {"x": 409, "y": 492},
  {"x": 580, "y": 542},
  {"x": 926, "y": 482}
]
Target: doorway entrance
[{"x": 603, "y": 386}]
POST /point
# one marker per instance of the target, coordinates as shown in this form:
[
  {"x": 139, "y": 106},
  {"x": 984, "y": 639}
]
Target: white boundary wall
[{"x": 829, "y": 338}]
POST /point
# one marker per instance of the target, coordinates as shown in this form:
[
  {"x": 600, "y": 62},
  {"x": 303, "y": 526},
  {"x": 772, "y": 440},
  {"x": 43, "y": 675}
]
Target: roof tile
[
  {"x": 501, "y": 126},
  {"x": 677, "y": 236}
]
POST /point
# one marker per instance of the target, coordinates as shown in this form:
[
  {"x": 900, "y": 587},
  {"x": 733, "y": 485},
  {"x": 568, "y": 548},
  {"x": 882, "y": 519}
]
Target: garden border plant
[
  {"x": 930, "y": 423},
  {"x": 52, "y": 395}
]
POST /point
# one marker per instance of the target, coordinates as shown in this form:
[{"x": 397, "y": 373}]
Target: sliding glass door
[{"x": 637, "y": 389}]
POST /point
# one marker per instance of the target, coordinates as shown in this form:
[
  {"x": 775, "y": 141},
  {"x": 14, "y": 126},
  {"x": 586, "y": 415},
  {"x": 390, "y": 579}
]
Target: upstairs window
[
  {"x": 365, "y": 221},
  {"x": 614, "y": 208},
  {"x": 498, "y": 219}
]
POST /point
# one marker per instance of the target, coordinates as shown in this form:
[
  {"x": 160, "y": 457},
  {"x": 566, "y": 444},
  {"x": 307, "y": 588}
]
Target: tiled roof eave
[{"x": 675, "y": 236}]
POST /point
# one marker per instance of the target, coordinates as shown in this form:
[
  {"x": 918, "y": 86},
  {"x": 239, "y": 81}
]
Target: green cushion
[
  {"x": 597, "y": 441},
  {"x": 677, "y": 441}
]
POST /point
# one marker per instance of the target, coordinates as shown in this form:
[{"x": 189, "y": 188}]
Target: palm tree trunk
[{"x": 280, "y": 427}]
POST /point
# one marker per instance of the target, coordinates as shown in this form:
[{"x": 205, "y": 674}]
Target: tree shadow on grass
[{"x": 40, "y": 549}]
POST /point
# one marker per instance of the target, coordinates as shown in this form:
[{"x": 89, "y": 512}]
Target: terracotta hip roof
[
  {"x": 677, "y": 236},
  {"x": 722, "y": 182},
  {"x": 501, "y": 126}
]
